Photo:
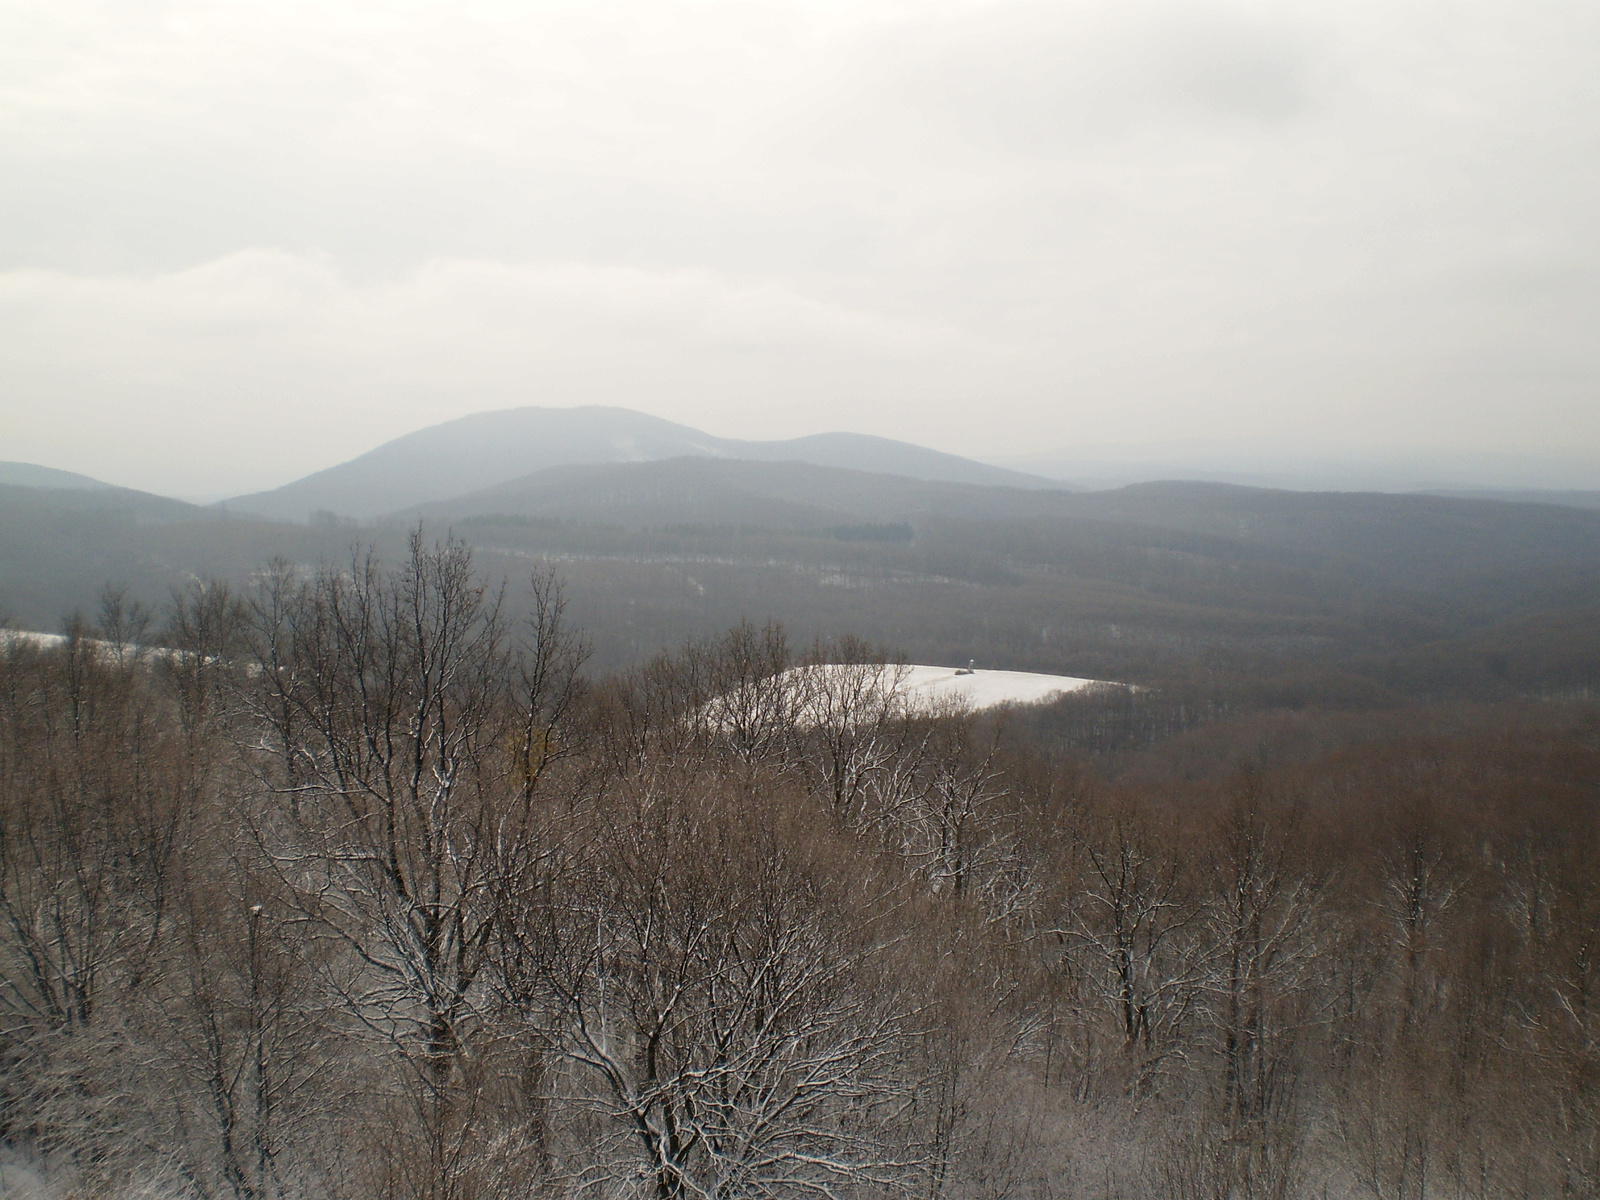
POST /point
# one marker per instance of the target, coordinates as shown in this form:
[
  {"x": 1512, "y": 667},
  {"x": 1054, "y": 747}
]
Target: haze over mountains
[
  {"x": 19, "y": 474},
  {"x": 1142, "y": 584},
  {"x": 1258, "y": 463},
  {"x": 492, "y": 462},
  {"x": 489, "y": 448},
  {"x": 453, "y": 467},
  {"x": 1382, "y": 536},
  {"x": 665, "y": 532}
]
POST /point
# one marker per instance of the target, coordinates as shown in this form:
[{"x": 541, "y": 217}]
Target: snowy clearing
[
  {"x": 838, "y": 693},
  {"x": 912, "y": 688},
  {"x": 54, "y": 641},
  {"x": 938, "y": 687}
]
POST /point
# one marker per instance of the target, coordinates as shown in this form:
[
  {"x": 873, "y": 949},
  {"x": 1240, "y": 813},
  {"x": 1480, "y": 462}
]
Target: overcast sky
[{"x": 242, "y": 241}]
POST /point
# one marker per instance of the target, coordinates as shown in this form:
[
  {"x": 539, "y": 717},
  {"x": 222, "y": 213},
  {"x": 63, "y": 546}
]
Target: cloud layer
[{"x": 241, "y": 241}]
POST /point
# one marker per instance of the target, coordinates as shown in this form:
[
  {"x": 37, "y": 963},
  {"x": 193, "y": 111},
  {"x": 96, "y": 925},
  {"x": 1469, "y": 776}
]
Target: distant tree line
[{"x": 355, "y": 884}]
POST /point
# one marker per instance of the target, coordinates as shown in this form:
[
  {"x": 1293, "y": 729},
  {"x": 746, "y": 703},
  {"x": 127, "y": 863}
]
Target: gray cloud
[{"x": 240, "y": 241}]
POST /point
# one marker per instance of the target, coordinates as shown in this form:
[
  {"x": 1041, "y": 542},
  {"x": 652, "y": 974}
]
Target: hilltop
[{"x": 491, "y": 448}]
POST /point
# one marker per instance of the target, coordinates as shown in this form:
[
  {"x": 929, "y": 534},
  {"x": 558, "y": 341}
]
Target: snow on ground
[
  {"x": 917, "y": 687},
  {"x": 830, "y": 693},
  {"x": 937, "y": 687},
  {"x": 52, "y": 641},
  {"x": 26, "y": 637}
]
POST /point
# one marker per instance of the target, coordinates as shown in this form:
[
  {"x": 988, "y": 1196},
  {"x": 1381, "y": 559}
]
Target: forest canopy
[{"x": 363, "y": 881}]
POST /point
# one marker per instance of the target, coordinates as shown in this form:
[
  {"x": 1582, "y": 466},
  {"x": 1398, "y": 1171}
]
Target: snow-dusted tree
[
  {"x": 405, "y": 724},
  {"x": 93, "y": 797},
  {"x": 97, "y": 798},
  {"x": 713, "y": 973},
  {"x": 1129, "y": 922},
  {"x": 852, "y": 724},
  {"x": 236, "y": 1054},
  {"x": 1264, "y": 911}
]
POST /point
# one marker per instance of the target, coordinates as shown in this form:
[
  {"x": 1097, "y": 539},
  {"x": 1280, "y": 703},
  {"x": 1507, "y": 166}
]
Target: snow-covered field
[
  {"x": 50, "y": 641},
  {"x": 125, "y": 651},
  {"x": 917, "y": 687},
  {"x": 861, "y": 692},
  {"x": 938, "y": 687},
  {"x": 26, "y": 637}
]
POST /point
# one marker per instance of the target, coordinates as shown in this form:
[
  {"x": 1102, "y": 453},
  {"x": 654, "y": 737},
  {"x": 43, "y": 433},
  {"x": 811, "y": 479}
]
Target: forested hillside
[
  {"x": 1216, "y": 600},
  {"x": 368, "y": 885}
]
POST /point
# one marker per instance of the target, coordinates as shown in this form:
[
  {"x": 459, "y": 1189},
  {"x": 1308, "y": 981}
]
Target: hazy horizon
[
  {"x": 242, "y": 242},
  {"x": 1092, "y": 467}
]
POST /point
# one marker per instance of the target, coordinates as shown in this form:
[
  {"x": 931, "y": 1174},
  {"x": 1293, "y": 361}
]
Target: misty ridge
[
  {"x": 537, "y": 805},
  {"x": 664, "y": 533}
]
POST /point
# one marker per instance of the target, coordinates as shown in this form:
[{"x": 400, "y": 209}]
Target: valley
[
  {"x": 998, "y": 780},
  {"x": 1232, "y": 598}
]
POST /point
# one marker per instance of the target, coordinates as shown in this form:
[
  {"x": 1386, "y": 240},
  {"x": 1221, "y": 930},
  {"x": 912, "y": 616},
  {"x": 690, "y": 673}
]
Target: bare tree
[
  {"x": 710, "y": 964},
  {"x": 1133, "y": 911},
  {"x": 238, "y": 1038},
  {"x": 408, "y": 728},
  {"x": 851, "y": 722},
  {"x": 92, "y": 807},
  {"x": 96, "y": 797},
  {"x": 1263, "y": 914}
]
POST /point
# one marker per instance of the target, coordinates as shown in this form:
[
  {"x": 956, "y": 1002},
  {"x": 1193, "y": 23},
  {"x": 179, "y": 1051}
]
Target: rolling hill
[
  {"x": 1414, "y": 542},
  {"x": 1217, "y": 596},
  {"x": 19, "y": 474},
  {"x": 493, "y": 447},
  {"x": 60, "y": 546}
]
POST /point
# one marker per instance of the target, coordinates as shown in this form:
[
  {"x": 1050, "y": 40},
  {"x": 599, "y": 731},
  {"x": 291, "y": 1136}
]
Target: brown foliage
[{"x": 358, "y": 889}]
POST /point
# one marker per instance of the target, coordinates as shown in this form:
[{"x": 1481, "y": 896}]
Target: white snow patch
[
  {"x": 912, "y": 688},
  {"x": 119, "y": 651},
  {"x": 53, "y": 641},
  {"x": 832, "y": 693},
  {"x": 974, "y": 691}
]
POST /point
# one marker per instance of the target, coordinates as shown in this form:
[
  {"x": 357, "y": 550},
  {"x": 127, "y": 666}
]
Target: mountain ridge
[
  {"x": 488, "y": 448},
  {"x": 1149, "y": 583},
  {"x": 1384, "y": 535},
  {"x": 23, "y": 474}
]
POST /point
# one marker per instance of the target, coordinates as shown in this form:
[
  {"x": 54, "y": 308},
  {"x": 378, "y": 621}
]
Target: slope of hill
[
  {"x": 1400, "y": 540},
  {"x": 1215, "y": 597},
  {"x": 1404, "y": 541},
  {"x": 885, "y": 456},
  {"x": 1315, "y": 592},
  {"x": 1568, "y": 499},
  {"x": 143, "y": 508},
  {"x": 492, "y": 447},
  {"x": 19, "y": 474},
  {"x": 59, "y": 547},
  {"x": 778, "y": 495}
]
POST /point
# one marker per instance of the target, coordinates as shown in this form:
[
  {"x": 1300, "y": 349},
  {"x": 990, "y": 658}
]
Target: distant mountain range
[
  {"x": 1409, "y": 540},
  {"x": 665, "y": 532},
  {"x": 1143, "y": 583},
  {"x": 491, "y": 448},
  {"x": 60, "y": 544},
  {"x": 140, "y": 508},
  {"x": 736, "y": 492},
  {"x": 1566, "y": 499},
  {"x": 1302, "y": 468},
  {"x": 492, "y": 461}
]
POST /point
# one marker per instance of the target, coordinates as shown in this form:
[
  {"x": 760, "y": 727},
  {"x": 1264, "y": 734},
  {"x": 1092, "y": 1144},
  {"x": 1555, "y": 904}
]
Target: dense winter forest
[{"x": 357, "y": 883}]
